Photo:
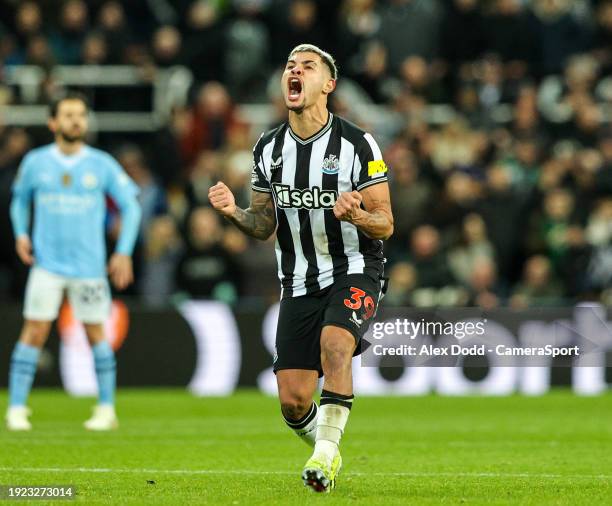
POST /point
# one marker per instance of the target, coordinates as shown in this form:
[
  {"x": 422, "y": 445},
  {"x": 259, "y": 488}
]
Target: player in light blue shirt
[{"x": 67, "y": 183}]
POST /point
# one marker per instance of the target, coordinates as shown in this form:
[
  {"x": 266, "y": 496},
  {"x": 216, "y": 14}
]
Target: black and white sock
[{"x": 305, "y": 427}]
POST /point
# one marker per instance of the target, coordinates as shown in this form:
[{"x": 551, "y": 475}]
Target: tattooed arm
[
  {"x": 376, "y": 220},
  {"x": 258, "y": 220}
]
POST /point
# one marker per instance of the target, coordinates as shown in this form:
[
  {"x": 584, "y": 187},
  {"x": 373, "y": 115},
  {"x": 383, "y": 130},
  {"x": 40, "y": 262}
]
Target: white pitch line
[{"x": 407, "y": 474}]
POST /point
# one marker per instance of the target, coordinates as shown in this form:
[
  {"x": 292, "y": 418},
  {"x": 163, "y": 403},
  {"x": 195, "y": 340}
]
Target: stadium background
[{"x": 494, "y": 117}]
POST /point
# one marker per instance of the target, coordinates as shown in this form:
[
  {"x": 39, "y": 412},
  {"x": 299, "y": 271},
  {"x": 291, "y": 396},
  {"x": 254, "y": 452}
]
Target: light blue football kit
[
  {"x": 70, "y": 208},
  {"x": 69, "y": 197}
]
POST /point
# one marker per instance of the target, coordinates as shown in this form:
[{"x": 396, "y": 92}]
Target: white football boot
[
  {"x": 17, "y": 418},
  {"x": 103, "y": 418}
]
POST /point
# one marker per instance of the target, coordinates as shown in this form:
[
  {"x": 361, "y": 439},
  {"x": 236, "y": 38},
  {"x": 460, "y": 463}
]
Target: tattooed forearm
[
  {"x": 259, "y": 220},
  {"x": 377, "y": 223}
]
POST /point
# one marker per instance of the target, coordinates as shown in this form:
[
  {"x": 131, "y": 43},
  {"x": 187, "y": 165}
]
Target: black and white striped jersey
[{"x": 305, "y": 177}]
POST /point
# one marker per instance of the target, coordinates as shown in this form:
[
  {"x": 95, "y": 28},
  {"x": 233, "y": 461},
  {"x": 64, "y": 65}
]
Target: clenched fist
[
  {"x": 348, "y": 206},
  {"x": 222, "y": 199}
]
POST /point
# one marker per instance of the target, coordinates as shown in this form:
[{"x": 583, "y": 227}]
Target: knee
[
  {"x": 35, "y": 333},
  {"x": 294, "y": 404}
]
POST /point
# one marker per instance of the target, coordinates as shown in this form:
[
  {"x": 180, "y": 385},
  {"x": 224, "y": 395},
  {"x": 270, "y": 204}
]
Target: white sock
[
  {"x": 330, "y": 426},
  {"x": 306, "y": 427}
]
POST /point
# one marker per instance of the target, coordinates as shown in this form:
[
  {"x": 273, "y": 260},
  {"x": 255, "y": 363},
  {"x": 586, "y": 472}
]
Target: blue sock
[
  {"x": 104, "y": 359},
  {"x": 24, "y": 362}
]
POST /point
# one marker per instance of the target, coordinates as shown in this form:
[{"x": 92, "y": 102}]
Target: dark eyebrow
[{"x": 304, "y": 62}]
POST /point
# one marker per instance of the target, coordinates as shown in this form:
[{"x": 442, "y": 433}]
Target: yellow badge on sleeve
[{"x": 376, "y": 167}]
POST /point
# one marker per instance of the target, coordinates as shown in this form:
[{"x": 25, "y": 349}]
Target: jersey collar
[
  {"x": 68, "y": 160},
  {"x": 314, "y": 137}
]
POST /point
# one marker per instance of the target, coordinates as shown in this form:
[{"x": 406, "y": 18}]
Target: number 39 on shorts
[{"x": 357, "y": 299}]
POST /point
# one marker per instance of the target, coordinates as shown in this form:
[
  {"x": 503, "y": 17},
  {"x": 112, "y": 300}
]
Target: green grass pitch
[{"x": 173, "y": 448}]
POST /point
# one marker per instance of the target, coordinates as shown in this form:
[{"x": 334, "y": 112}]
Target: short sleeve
[
  {"x": 259, "y": 182},
  {"x": 369, "y": 168},
  {"x": 118, "y": 184},
  {"x": 23, "y": 184}
]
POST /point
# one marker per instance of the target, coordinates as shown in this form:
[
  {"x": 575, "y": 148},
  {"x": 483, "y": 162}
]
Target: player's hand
[
  {"x": 120, "y": 270},
  {"x": 23, "y": 246},
  {"x": 222, "y": 199},
  {"x": 348, "y": 206}
]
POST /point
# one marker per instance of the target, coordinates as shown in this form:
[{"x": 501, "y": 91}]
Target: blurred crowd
[{"x": 496, "y": 130}]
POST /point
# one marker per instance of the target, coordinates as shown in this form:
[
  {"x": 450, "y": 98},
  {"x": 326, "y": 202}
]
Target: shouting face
[{"x": 306, "y": 81}]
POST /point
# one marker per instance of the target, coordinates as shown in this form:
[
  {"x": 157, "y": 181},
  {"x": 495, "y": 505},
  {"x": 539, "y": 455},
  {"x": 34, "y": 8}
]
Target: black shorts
[{"x": 349, "y": 303}]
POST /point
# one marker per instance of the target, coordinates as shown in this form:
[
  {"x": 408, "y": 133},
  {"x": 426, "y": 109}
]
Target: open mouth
[{"x": 295, "y": 88}]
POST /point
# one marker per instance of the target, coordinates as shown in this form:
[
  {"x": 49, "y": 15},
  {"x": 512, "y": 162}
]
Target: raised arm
[{"x": 258, "y": 220}]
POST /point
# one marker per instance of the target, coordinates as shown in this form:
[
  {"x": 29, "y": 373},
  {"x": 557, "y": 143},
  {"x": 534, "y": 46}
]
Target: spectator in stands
[
  {"x": 247, "y": 52},
  {"x": 211, "y": 117},
  {"x": 462, "y": 33},
  {"x": 402, "y": 281},
  {"x": 459, "y": 197},
  {"x": 523, "y": 164},
  {"x": 369, "y": 69},
  {"x": 296, "y": 22},
  {"x": 492, "y": 87},
  {"x": 168, "y": 163},
  {"x": 14, "y": 143},
  {"x": 420, "y": 78},
  {"x": 38, "y": 52},
  {"x": 598, "y": 234},
  {"x": 604, "y": 176},
  {"x": 67, "y": 39},
  {"x": 473, "y": 245},
  {"x": 560, "y": 97},
  {"x": 95, "y": 50},
  {"x": 166, "y": 46},
  {"x": 113, "y": 25},
  {"x": 428, "y": 259},
  {"x": 510, "y": 34},
  {"x": 526, "y": 121},
  {"x": 503, "y": 211},
  {"x": 483, "y": 289},
  {"x": 205, "y": 41},
  {"x": 586, "y": 123},
  {"x": 204, "y": 174},
  {"x": 161, "y": 255},
  {"x": 358, "y": 23},
  {"x": 28, "y": 24},
  {"x": 237, "y": 175},
  {"x": 560, "y": 34},
  {"x": 602, "y": 40},
  {"x": 410, "y": 28},
  {"x": 152, "y": 197},
  {"x": 587, "y": 165},
  {"x": 539, "y": 286},
  {"x": 469, "y": 106},
  {"x": 554, "y": 232},
  {"x": 410, "y": 193},
  {"x": 207, "y": 270},
  {"x": 454, "y": 146}
]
